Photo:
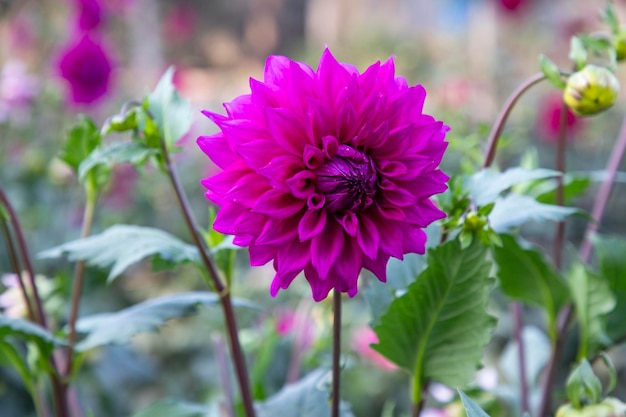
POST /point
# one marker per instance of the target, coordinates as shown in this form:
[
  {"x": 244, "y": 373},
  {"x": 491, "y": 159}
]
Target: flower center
[{"x": 347, "y": 180}]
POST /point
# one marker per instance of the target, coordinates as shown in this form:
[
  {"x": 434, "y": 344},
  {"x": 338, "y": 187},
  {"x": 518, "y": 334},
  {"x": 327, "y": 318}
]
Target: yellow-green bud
[
  {"x": 591, "y": 90},
  {"x": 474, "y": 221},
  {"x": 610, "y": 407},
  {"x": 619, "y": 42}
]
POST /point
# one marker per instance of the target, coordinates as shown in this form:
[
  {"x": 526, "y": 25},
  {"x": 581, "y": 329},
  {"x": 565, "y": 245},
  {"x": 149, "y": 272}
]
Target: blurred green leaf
[
  {"x": 515, "y": 210},
  {"x": 81, "y": 140},
  {"x": 593, "y": 300},
  {"x": 122, "y": 122},
  {"x": 437, "y": 330},
  {"x": 486, "y": 185},
  {"x": 583, "y": 386},
  {"x": 147, "y": 316},
  {"x": 29, "y": 332},
  {"x": 10, "y": 356},
  {"x": 526, "y": 275},
  {"x": 171, "y": 113},
  {"x": 471, "y": 408},
  {"x": 612, "y": 266},
  {"x": 551, "y": 71},
  {"x": 308, "y": 397},
  {"x": 119, "y": 152},
  {"x": 574, "y": 185},
  {"x": 173, "y": 408},
  {"x": 121, "y": 246},
  {"x": 610, "y": 17},
  {"x": 578, "y": 52}
]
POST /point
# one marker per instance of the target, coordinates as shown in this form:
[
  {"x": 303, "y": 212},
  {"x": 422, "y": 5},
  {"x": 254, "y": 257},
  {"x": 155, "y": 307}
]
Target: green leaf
[
  {"x": 27, "y": 331},
  {"x": 81, "y": 140},
  {"x": 610, "y": 17},
  {"x": 471, "y": 408},
  {"x": 526, "y": 275},
  {"x": 119, "y": 152},
  {"x": 574, "y": 185},
  {"x": 308, "y": 397},
  {"x": 171, "y": 113},
  {"x": 593, "y": 300},
  {"x": 173, "y": 408},
  {"x": 583, "y": 386},
  {"x": 612, "y": 266},
  {"x": 10, "y": 356},
  {"x": 515, "y": 210},
  {"x": 438, "y": 328},
  {"x": 147, "y": 316},
  {"x": 578, "y": 52},
  {"x": 551, "y": 71},
  {"x": 124, "y": 245},
  {"x": 486, "y": 185}
]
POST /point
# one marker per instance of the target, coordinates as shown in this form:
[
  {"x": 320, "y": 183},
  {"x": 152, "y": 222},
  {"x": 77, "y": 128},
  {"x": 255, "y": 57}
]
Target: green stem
[
  {"x": 215, "y": 282},
  {"x": 336, "y": 387},
  {"x": 496, "y": 131},
  {"x": 79, "y": 272},
  {"x": 559, "y": 238}
]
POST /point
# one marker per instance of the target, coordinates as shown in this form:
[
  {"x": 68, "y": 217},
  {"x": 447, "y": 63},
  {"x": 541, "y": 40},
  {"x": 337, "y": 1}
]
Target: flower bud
[
  {"x": 610, "y": 407},
  {"x": 591, "y": 90}
]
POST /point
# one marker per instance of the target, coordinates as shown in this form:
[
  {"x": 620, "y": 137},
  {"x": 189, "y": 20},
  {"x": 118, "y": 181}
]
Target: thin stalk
[
  {"x": 222, "y": 361},
  {"x": 416, "y": 408},
  {"x": 16, "y": 268},
  {"x": 496, "y": 131},
  {"x": 518, "y": 326},
  {"x": 60, "y": 403},
  {"x": 336, "y": 393},
  {"x": 597, "y": 211},
  {"x": 559, "y": 237},
  {"x": 79, "y": 272},
  {"x": 215, "y": 282}
]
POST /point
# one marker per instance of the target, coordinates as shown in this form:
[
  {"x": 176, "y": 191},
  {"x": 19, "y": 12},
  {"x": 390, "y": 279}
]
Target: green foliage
[
  {"x": 81, "y": 140},
  {"x": 574, "y": 185},
  {"x": 515, "y": 210},
  {"x": 486, "y": 185},
  {"x": 612, "y": 267},
  {"x": 121, "y": 246},
  {"x": 172, "y": 408},
  {"x": 610, "y": 17},
  {"x": 471, "y": 408},
  {"x": 593, "y": 300},
  {"x": 106, "y": 157},
  {"x": 551, "y": 71},
  {"x": 118, "y": 328},
  {"x": 29, "y": 332},
  {"x": 305, "y": 398},
  {"x": 578, "y": 52},
  {"x": 525, "y": 275},
  {"x": 437, "y": 330},
  {"x": 583, "y": 386},
  {"x": 169, "y": 111}
]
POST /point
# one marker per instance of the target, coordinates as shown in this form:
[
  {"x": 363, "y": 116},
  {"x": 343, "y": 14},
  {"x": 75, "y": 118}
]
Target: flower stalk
[
  {"x": 215, "y": 282},
  {"x": 336, "y": 396}
]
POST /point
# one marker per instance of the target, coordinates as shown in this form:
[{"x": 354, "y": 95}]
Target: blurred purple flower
[
  {"x": 89, "y": 14},
  {"x": 180, "y": 23},
  {"x": 86, "y": 66},
  {"x": 362, "y": 339},
  {"x": 326, "y": 171}
]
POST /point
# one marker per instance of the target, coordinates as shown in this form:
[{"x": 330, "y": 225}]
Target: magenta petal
[
  {"x": 326, "y": 248},
  {"x": 261, "y": 254},
  {"x": 378, "y": 266},
  {"x": 319, "y": 287},
  {"x": 368, "y": 237},
  {"x": 277, "y": 204},
  {"x": 414, "y": 240},
  {"x": 311, "y": 225},
  {"x": 293, "y": 257},
  {"x": 277, "y": 233},
  {"x": 218, "y": 149},
  {"x": 282, "y": 280},
  {"x": 286, "y": 129}
]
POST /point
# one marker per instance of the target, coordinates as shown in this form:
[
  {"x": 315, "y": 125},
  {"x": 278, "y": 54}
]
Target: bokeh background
[{"x": 469, "y": 54}]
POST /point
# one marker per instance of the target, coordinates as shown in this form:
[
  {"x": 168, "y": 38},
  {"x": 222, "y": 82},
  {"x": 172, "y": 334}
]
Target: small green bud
[
  {"x": 475, "y": 221},
  {"x": 591, "y": 90},
  {"x": 610, "y": 407}
]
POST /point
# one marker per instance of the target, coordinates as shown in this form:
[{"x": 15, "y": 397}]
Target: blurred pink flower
[
  {"x": 362, "y": 338},
  {"x": 180, "y": 23},
  {"x": 297, "y": 323},
  {"x": 17, "y": 89},
  {"x": 549, "y": 119},
  {"x": 326, "y": 171},
  {"x": 90, "y": 14},
  {"x": 12, "y": 300},
  {"x": 86, "y": 67},
  {"x": 511, "y": 5}
]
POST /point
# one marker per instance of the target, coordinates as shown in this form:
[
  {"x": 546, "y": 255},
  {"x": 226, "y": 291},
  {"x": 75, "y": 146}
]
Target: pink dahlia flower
[
  {"x": 326, "y": 171},
  {"x": 87, "y": 68}
]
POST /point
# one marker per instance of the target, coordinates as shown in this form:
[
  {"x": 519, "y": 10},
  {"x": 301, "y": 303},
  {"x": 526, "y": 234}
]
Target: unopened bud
[
  {"x": 591, "y": 90},
  {"x": 619, "y": 42},
  {"x": 610, "y": 407}
]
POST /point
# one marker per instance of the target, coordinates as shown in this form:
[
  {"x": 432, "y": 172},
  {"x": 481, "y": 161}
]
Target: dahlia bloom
[
  {"x": 87, "y": 68},
  {"x": 326, "y": 171}
]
